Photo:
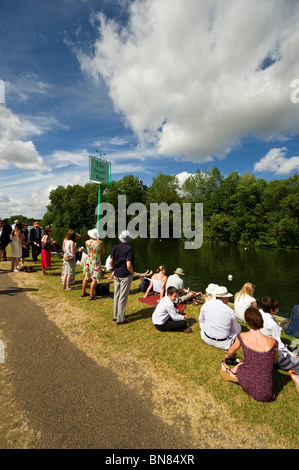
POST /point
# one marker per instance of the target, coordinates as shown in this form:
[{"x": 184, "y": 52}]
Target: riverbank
[{"x": 177, "y": 373}]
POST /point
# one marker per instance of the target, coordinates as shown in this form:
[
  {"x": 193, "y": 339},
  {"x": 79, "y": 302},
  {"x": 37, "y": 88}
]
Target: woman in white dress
[
  {"x": 243, "y": 300},
  {"x": 16, "y": 246}
]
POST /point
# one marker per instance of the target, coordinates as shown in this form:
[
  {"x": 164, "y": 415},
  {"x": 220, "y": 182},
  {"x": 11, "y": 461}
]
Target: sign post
[{"x": 99, "y": 172}]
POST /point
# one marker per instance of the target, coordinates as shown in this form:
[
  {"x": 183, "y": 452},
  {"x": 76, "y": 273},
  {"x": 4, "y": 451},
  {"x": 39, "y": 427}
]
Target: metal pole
[{"x": 100, "y": 196}]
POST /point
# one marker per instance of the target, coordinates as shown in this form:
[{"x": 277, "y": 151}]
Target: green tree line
[{"x": 242, "y": 210}]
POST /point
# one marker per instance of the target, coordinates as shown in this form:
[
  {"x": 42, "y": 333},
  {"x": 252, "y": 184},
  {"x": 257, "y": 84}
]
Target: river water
[{"x": 273, "y": 271}]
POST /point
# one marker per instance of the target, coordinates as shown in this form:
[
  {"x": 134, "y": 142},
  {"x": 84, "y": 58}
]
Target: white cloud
[
  {"x": 194, "y": 80},
  {"x": 182, "y": 177},
  {"x": 14, "y": 150},
  {"x": 276, "y": 162}
]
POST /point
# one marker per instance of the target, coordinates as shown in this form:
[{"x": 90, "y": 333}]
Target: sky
[{"x": 167, "y": 86}]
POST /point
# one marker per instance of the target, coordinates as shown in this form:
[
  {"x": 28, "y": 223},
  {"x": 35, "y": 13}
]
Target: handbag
[
  {"x": 68, "y": 257},
  {"x": 102, "y": 289},
  {"x": 47, "y": 246}
]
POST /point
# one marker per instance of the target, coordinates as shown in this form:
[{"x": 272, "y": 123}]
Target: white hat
[
  {"x": 221, "y": 291},
  {"x": 125, "y": 236},
  {"x": 93, "y": 233},
  {"x": 211, "y": 288},
  {"x": 179, "y": 271}
]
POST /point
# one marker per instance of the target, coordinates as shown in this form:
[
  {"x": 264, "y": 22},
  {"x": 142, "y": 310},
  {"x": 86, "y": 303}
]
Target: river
[{"x": 273, "y": 271}]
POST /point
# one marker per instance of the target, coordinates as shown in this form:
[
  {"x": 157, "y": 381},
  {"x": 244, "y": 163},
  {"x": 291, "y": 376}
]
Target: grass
[{"x": 178, "y": 372}]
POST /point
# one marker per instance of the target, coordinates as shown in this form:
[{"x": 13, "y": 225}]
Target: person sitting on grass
[
  {"x": 218, "y": 323},
  {"x": 166, "y": 317},
  {"x": 157, "y": 282},
  {"x": 286, "y": 359},
  {"x": 243, "y": 300},
  {"x": 255, "y": 372},
  {"x": 184, "y": 295}
]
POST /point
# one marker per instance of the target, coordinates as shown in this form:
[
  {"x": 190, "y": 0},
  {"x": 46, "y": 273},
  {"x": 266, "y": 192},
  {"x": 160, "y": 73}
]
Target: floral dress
[{"x": 93, "y": 263}]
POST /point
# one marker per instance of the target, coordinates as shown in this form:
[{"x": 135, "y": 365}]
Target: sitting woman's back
[
  {"x": 254, "y": 374},
  {"x": 243, "y": 300},
  {"x": 158, "y": 282}
]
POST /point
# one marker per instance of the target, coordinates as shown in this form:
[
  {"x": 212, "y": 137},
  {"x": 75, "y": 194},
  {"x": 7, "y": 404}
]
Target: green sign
[{"x": 99, "y": 170}]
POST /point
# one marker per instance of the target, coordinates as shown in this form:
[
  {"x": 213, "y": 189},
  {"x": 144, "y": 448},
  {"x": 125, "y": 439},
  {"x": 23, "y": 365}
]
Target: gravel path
[{"x": 53, "y": 396}]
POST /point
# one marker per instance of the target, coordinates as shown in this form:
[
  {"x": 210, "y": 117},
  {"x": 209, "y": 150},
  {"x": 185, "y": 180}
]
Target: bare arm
[
  {"x": 233, "y": 349},
  {"x": 130, "y": 267}
]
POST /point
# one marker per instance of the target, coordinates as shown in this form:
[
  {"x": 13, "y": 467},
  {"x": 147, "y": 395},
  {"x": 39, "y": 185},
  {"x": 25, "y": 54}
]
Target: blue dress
[{"x": 25, "y": 251}]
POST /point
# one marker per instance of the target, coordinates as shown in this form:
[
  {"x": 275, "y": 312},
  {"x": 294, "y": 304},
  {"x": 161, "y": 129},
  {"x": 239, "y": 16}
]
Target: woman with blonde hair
[
  {"x": 16, "y": 246},
  {"x": 158, "y": 282},
  {"x": 243, "y": 300}
]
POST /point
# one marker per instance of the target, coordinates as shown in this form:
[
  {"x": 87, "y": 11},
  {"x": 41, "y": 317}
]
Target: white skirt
[{"x": 16, "y": 248}]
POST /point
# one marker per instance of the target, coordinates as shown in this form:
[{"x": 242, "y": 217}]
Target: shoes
[
  {"x": 124, "y": 322},
  {"x": 227, "y": 374},
  {"x": 187, "y": 330},
  {"x": 295, "y": 379}
]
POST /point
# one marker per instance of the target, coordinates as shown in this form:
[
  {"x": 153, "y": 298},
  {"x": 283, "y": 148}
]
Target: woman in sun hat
[{"x": 92, "y": 271}]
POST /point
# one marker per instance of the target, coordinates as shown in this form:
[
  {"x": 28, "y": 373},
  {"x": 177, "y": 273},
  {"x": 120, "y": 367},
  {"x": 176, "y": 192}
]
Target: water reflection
[{"x": 273, "y": 271}]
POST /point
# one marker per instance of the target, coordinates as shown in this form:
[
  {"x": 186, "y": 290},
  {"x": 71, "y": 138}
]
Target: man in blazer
[
  {"x": 35, "y": 240},
  {"x": 5, "y": 230}
]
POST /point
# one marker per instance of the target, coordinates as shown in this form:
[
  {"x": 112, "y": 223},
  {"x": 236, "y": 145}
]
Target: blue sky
[{"x": 157, "y": 85}]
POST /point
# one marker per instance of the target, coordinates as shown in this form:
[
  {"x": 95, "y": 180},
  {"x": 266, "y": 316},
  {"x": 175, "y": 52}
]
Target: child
[{"x": 286, "y": 360}]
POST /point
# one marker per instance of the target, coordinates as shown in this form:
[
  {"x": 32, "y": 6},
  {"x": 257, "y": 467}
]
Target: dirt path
[{"x": 53, "y": 396}]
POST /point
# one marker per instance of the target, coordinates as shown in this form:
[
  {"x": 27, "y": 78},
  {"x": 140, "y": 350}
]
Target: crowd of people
[{"x": 219, "y": 320}]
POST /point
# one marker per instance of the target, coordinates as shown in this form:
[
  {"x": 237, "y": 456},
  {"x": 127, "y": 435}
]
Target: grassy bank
[{"x": 178, "y": 372}]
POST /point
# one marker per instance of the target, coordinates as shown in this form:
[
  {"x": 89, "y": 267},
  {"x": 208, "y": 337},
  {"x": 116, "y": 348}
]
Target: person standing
[
  {"x": 26, "y": 243},
  {"x": 46, "y": 248},
  {"x": 122, "y": 262},
  {"x": 16, "y": 246},
  {"x": 5, "y": 231},
  {"x": 35, "y": 241},
  {"x": 93, "y": 268}
]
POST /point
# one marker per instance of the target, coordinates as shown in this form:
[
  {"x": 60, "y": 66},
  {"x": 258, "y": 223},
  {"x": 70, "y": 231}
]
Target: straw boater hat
[
  {"x": 221, "y": 291},
  {"x": 179, "y": 271},
  {"x": 211, "y": 288},
  {"x": 93, "y": 233},
  {"x": 125, "y": 236}
]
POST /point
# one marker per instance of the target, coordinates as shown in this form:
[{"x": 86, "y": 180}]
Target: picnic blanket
[{"x": 152, "y": 299}]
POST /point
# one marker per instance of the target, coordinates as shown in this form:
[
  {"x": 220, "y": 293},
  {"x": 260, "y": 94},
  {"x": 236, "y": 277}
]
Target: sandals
[
  {"x": 92, "y": 298},
  {"x": 227, "y": 374},
  {"x": 84, "y": 295}
]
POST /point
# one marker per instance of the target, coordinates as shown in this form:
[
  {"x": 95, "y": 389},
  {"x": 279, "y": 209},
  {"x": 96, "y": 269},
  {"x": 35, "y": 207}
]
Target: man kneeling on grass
[{"x": 166, "y": 317}]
